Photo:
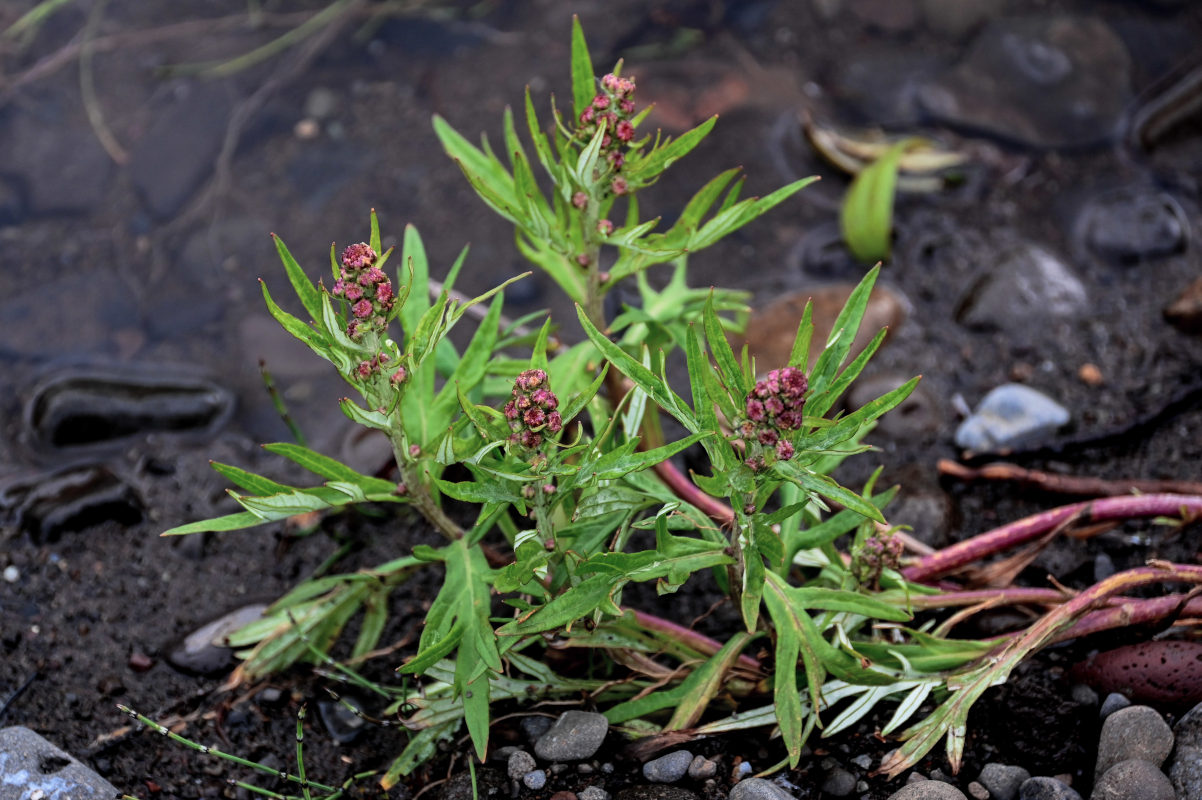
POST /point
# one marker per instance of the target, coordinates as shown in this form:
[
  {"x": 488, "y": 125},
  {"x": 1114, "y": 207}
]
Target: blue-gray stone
[
  {"x": 1046, "y": 789},
  {"x": 1113, "y": 702},
  {"x": 535, "y": 779},
  {"x": 1185, "y": 772},
  {"x": 1010, "y": 416},
  {"x": 669, "y": 768},
  {"x": 575, "y": 736},
  {"x": 30, "y": 767}
]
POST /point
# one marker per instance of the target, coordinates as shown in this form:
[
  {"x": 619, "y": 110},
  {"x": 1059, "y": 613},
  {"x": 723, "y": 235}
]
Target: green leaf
[
  {"x": 250, "y": 481},
  {"x": 738, "y": 215},
  {"x": 867, "y": 215},
  {"x": 662, "y": 157},
  {"x": 329, "y": 468},
  {"x": 309, "y": 296},
  {"x": 583, "y": 80},
  {"x": 316, "y": 340},
  {"x": 643, "y": 377},
  {"x": 825, "y": 486},
  {"x": 574, "y": 604},
  {"x": 230, "y": 522},
  {"x": 728, "y": 367}
]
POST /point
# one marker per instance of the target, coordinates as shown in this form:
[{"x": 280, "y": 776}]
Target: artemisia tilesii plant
[{"x": 566, "y": 466}]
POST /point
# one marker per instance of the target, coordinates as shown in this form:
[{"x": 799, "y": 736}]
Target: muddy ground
[{"x": 132, "y": 243}]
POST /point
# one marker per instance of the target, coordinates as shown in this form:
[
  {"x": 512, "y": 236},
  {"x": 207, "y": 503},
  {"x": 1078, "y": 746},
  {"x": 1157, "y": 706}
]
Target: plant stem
[
  {"x": 927, "y": 569},
  {"x": 688, "y": 491},
  {"x": 1133, "y": 611},
  {"x": 698, "y": 641},
  {"x": 419, "y": 496}
]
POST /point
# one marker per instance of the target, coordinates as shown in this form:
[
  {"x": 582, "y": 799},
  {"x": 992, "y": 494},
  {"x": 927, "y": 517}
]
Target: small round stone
[
  {"x": 702, "y": 768},
  {"x": 520, "y": 763},
  {"x": 1113, "y": 702},
  {"x": 535, "y": 779},
  {"x": 1133, "y": 732},
  {"x": 758, "y": 789},
  {"x": 575, "y": 736},
  {"x": 1046, "y": 789},
  {"x": 12, "y": 574},
  {"x": 839, "y": 783},
  {"x": 1133, "y": 780},
  {"x": 593, "y": 793},
  {"x": 668, "y": 768},
  {"x": 928, "y": 790},
  {"x": 1002, "y": 780}
]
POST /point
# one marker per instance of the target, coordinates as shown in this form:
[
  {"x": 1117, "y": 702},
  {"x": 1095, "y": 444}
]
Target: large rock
[
  {"x": 1135, "y": 732},
  {"x": 1022, "y": 284},
  {"x": 1046, "y": 81},
  {"x": 575, "y": 736},
  {"x": 32, "y": 767}
]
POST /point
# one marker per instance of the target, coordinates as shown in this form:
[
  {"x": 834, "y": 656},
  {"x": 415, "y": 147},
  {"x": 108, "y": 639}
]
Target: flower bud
[{"x": 605, "y": 227}]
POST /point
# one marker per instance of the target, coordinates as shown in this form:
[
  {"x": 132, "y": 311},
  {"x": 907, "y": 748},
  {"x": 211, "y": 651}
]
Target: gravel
[
  {"x": 575, "y": 736},
  {"x": 928, "y": 790},
  {"x": 669, "y": 768}
]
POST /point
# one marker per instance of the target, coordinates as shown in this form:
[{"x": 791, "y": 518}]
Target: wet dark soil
[{"x": 132, "y": 267}]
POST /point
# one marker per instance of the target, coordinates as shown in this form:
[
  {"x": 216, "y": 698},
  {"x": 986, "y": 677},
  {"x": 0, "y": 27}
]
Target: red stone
[{"x": 1164, "y": 673}]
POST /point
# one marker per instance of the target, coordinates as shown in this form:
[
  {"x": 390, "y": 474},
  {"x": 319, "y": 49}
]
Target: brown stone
[
  {"x": 771, "y": 331},
  {"x": 1186, "y": 311}
]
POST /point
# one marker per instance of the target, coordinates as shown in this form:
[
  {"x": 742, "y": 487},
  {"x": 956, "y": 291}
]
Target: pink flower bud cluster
[
  {"x": 365, "y": 286},
  {"x": 878, "y": 552},
  {"x": 531, "y": 410},
  {"x": 773, "y": 409},
  {"x": 613, "y": 107}
]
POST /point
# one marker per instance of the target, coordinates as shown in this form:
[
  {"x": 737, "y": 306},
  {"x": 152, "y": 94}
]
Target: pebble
[
  {"x": 701, "y": 768},
  {"x": 978, "y": 792},
  {"x": 11, "y": 574},
  {"x": 204, "y": 652},
  {"x": 31, "y": 766},
  {"x": 535, "y": 726},
  {"x": 1185, "y": 773},
  {"x": 520, "y": 762},
  {"x": 1188, "y": 730},
  {"x": 1112, "y": 703},
  {"x": 1010, "y": 416},
  {"x": 1042, "y": 788},
  {"x": 593, "y": 793},
  {"x": 535, "y": 779},
  {"x": 928, "y": 790},
  {"x": 1133, "y": 732},
  {"x": 1134, "y": 779},
  {"x": 1002, "y": 780},
  {"x": 1045, "y": 81},
  {"x": 1023, "y": 283},
  {"x": 1083, "y": 695},
  {"x": 343, "y": 725},
  {"x": 758, "y": 789},
  {"x": 839, "y": 783},
  {"x": 322, "y": 103},
  {"x": 1160, "y": 672},
  {"x": 1132, "y": 225},
  {"x": 668, "y": 768},
  {"x": 575, "y": 736},
  {"x": 863, "y": 761}
]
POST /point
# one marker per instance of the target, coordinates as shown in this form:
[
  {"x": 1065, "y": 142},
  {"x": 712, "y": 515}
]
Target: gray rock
[
  {"x": 928, "y": 790},
  {"x": 592, "y": 793},
  {"x": 1132, "y": 224},
  {"x": 1046, "y": 789},
  {"x": 701, "y": 768},
  {"x": 1046, "y": 81},
  {"x": 668, "y": 768},
  {"x": 1188, "y": 730},
  {"x": 863, "y": 761},
  {"x": 1010, "y": 416},
  {"x": 535, "y": 726},
  {"x": 978, "y": 792},
  {"x": 1024, "y": 283},
  {"x": 575, "y": 736},
  {"x": 205, "y": 651},
  {"x": 1133, "y": 780},
  {"x": 1002, "y": 780},
  {"x": 758, "y": 789},
  {"x": 520, "y": 762},
  {"x": 178, "y": 152},
  {"x": 881, "y": 86},
  {"x": 1112, "y": 703},
  {"x": 535, "y": 779},
  {"x": 839, "y": 783},
  {"x": 1084, "y": 695},
  {"x": 30, "y": 767},
  {"x": 1133, "y": 732},
  {"x": 1185, "y": 773}
]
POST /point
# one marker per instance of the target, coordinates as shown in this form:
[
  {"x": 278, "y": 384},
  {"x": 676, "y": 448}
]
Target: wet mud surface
[{"x": 133, "y": 326}]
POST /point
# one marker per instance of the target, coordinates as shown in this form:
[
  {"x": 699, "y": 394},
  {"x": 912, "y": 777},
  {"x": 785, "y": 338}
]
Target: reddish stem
[
  {"x": 1030, "y": 528},
  {"x": 1132, "y": 611},
  {"x": 686, "y": 490},
  {"x": 695, "y": 640}
]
